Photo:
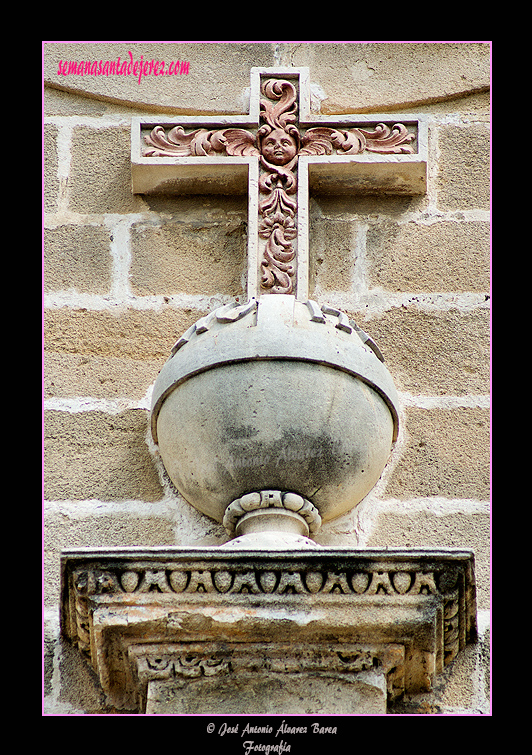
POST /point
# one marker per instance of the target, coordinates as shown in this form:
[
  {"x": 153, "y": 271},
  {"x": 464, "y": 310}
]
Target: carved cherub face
[{"x": 279, "y": 147}]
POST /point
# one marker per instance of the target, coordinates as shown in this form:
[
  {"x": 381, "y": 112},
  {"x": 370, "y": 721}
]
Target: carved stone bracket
[{"x": 182, "y": 617}]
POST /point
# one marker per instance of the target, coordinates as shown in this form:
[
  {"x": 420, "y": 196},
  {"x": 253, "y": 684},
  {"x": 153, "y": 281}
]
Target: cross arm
[
  {"x": 186, "y": 174},
  {"x": 371, "y": 167}
]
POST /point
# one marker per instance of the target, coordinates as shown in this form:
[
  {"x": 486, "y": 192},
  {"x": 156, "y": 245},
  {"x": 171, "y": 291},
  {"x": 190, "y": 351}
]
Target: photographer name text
[{"x": 250, "y": 746}]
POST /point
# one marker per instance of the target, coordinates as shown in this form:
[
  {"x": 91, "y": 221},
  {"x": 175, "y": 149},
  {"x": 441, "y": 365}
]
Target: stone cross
[{"x": 278, "y": 154}]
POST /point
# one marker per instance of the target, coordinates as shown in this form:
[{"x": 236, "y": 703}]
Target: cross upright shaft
[{"x": 277, "y": 155}]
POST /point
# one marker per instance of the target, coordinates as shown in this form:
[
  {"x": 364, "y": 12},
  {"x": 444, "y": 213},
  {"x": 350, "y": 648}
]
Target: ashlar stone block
[
  {"x": 72, "y": 375},
  {"x": 443, "y": 256},
  {"x": 332, "y": 254},
  {"x": 201, "y": 258},
  {"x": 77, "y": 257},
  {"x": 452, "y": 345},
  {"x": 464, "y": 177},
  {"x": 97, "y": 455},
  {"x": 50, "y": 161},
  {"x": 100, "y": 172},
  {"x": 116, "y": 333},
  {"x": 447, "y": 455}
]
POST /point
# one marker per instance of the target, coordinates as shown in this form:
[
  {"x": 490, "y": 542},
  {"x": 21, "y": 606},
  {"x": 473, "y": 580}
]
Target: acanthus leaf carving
[
  {"x": 384, "y": 140},
  {"x": 238, "y": 141},
  {"x": 279, "y": 146},
  {"x": 323, "y": 141},
  {"x": 232, "y": 141},
  {"x": 174, "y": 144}
]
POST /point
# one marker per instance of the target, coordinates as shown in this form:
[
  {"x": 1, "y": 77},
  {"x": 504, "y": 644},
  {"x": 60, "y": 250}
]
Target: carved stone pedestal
[{"x": 220, "y": 631}]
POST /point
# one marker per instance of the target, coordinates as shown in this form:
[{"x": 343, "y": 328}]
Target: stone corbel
[{"x": 189, "y": 630}]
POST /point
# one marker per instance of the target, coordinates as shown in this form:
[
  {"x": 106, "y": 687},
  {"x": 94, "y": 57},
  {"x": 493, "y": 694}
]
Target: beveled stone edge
[{"x": 155, "y": 552}]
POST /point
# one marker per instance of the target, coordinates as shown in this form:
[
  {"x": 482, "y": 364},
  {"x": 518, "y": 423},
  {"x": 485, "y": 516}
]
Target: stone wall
[{"x": 125, "y": 275}]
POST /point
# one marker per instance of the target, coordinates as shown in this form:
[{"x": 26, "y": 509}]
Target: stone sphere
[{"x": 273, "y": 399}]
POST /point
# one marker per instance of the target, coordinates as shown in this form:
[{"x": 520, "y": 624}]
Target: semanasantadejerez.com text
[{"x": 127, "y": 67}]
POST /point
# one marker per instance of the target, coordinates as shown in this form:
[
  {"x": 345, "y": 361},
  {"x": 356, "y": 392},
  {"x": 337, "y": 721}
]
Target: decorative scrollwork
[
  {"x": 279, "y": 142},
  {"x": 231, "y": 141},
  {"x": 188, "y": 665},
  {"x": 384, "y": 140},
  {"x": 256, "y": 657}
]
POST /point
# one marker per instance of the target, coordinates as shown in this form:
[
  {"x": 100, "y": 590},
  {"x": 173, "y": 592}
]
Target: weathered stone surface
[
  {"x": 462, "y": 686},
  {"x": 232, "y": 448},
  {"x": 69, "y": 375},
  {"x": 357, "y": 208},
  {"x": 456, "y": 689},
  {"x": 185, "y": 616},
  {"x": 333, "y": 254},
  {"x": 452, "y": 346},
  {"x": 68, "y": 104},
  {"x": 216, "y": 82},
  {"x": 50, "y": 180},
  {"x": 119, "y": 334},
  {"x": 352, "y": 77},
  {"x": 447, "y": 455},
  {"x": 256, "y": 398},
  {"x": 463, "y": 181},
  {"x": 97, "y": 455},
  {"x": 370, "y": 77},
  {"x": 79, "y": 691},
  {"x": 48, "y": 659},
  {"x": 199, "y": 258},
  {"x": 100, "y": 171},
  {"x": 446, "y": 256},
  {"x": 271, "y": 693},
  {"x": 77, "y": 257}
]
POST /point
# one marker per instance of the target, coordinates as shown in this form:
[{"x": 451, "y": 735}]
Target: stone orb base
[
  {"x": 295, "y": 426},
  {"x": 275, "y": 394}
]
